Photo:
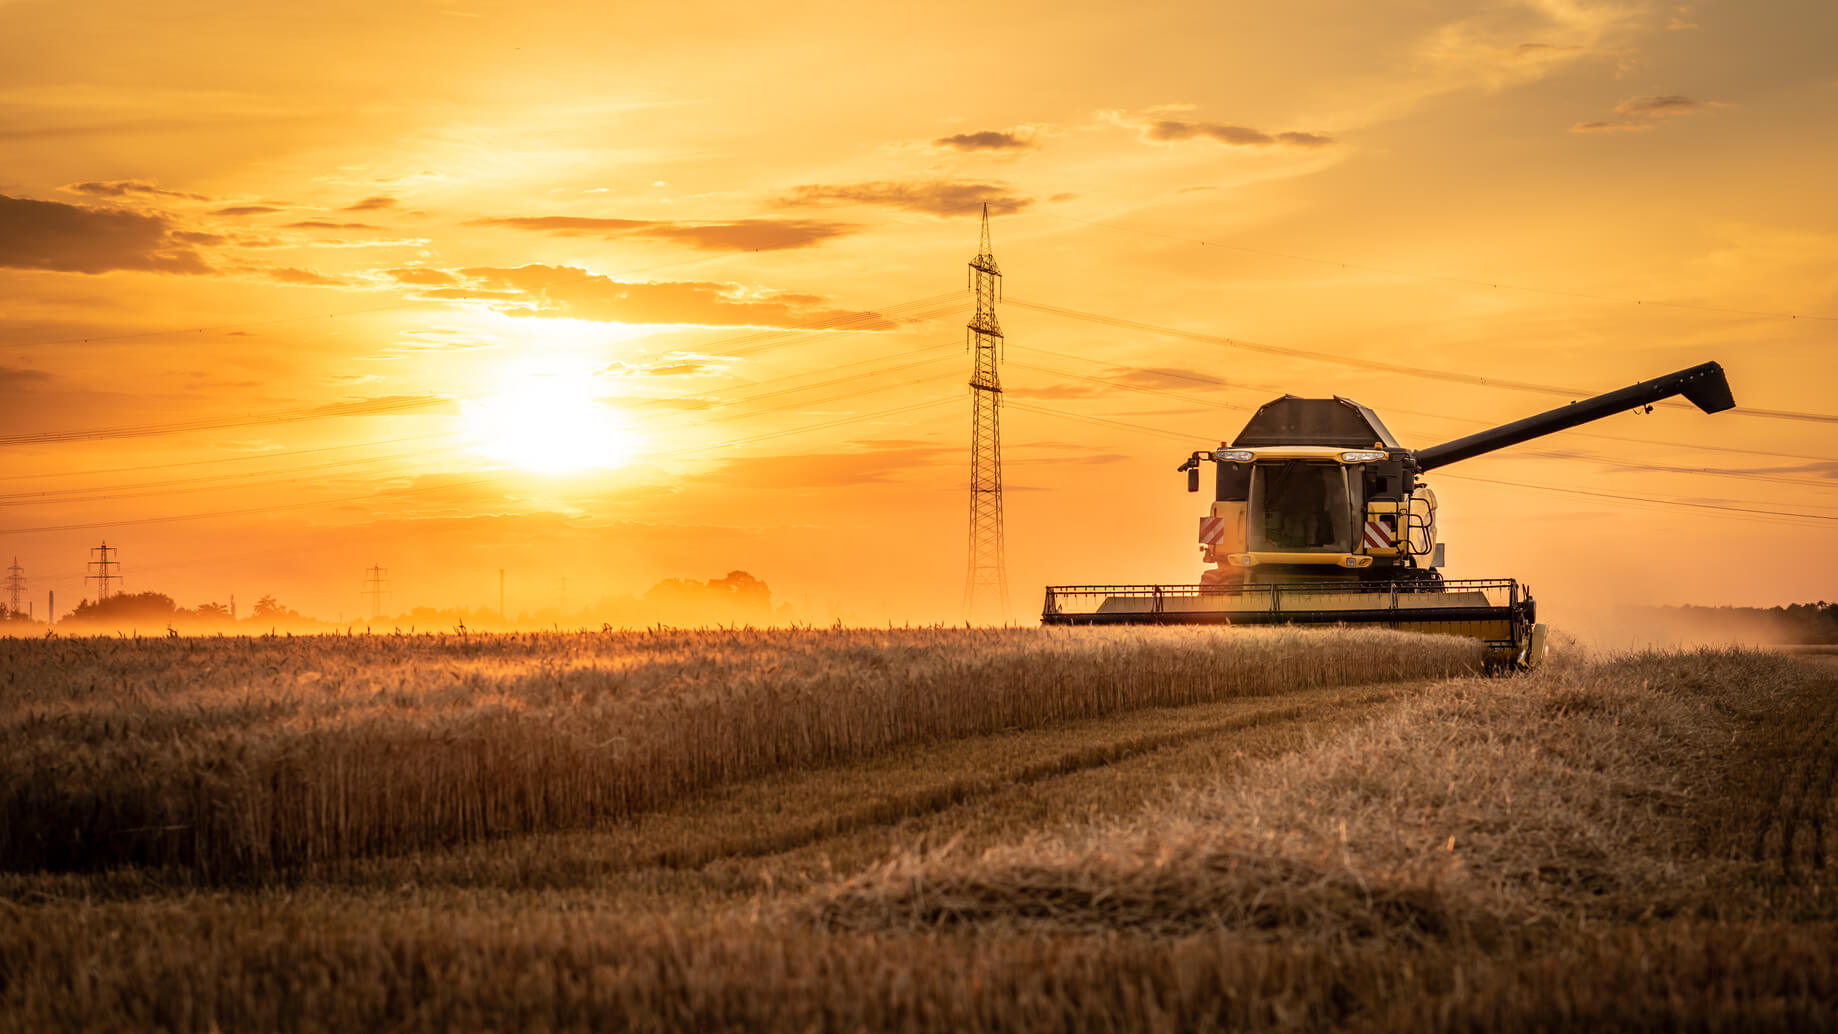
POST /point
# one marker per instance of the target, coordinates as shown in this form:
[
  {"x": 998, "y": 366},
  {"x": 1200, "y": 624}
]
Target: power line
[
  {"x": 203, "y": 483},
  {"x": 1475, "y": 380},
  {"x": 1642, "y": 499},
  {"x": 373, "y": 496},
  {"x": 244, "y": 511},
  {"x": 1465, "y": 281},
  {"x": 1248, "y": 386},
  {"x": 224, "y": 327},
  {"x": 220, "y": 459},
  {"x": 1554, "y": 454},
  {"x": 369, "y": 407},
  {"x": 1165, "y": 433}
]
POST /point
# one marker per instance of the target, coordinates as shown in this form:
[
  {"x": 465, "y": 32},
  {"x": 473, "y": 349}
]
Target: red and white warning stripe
[
  {"x": 1378, "y": 535},
  {"x": 1212, "y": 530}
]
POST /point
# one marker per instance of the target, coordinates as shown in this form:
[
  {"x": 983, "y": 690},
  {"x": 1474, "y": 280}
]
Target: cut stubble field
[{"x": 917, "y": 829}]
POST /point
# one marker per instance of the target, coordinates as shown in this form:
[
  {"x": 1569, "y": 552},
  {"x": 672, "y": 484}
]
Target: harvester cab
[{"x": 1320, "y": 515}]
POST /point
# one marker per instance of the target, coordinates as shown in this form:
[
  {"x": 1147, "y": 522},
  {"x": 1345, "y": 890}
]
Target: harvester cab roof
[{"x": 1321, "y": 515}]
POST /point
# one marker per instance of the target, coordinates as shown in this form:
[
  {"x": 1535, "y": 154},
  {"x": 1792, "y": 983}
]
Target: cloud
[
  {"x": 826, "y": 470},
  {"x": 673, "y": 364},
  {"x": 327, "y": 224},
  {"x": 1536, "y": 50},
  {"x": 1164, "y": 130},
  {"x": 568, "y": 225},
  {"x": 936, "y": 197},
  {"x": 305, "y": 277},
  {"x": 987, "y": 140},
  {"x": 738, "y": 235},
  {"x": 129, "y": 189},
  {"x": 568, "y": 291},
  {"x": 14, "y": 378},
  {"x": 371, "y": 204},
  {"x": 1164, "y": 377},
  {"x": 1049, "y": 391},
  {"x": 1078, "y": 458},
  {"x": 76, "y": 239},
  {"x": 683, "y": 402},
  {"x": 246, "y": 210},
  {"x": 1640, "y": 114},
  {"x": 1611, "y": 127},
  {"x": 424, "y": 277},
  {"x": 380, "y": 405},
  {"x": 1663, "y": 107}
]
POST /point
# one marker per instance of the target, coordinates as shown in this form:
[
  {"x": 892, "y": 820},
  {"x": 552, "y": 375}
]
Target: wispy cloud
[
  {"x": 327, "y": 224},
  {"x": 1165, "y": 130},
  {"x": 303, "y": 277},
  {"x": 423, "y": 277},
  {"x": 737, "y": 235},
  {"x": 673, "y": 364},
  {"x": 989, "y": 140},
  {"x": 1612, "y": 127},
  {"x": 129, "y": 189},
  {"x": 1663, "y": 107},
  {"x": 569, "y": 291},
  {"x": 936, "y": 197},
  {"x": 1639, "y": 114}
]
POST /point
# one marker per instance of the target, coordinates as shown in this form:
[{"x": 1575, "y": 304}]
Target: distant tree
[
  {"x": 270, "y": 609},
  {"x": 737, "y": 597},
  {"x": 127, "y": 607},
  {"x": 212, "y": 612}
]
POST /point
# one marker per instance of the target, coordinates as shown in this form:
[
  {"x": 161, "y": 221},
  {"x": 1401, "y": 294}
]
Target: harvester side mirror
[{"x": 1193, "y": 478}]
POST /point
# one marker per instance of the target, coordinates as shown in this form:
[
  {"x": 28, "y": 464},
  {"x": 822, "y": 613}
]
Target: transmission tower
[
  {"x": 15, "y": 587},
  {"x": 103, "y": 569},
  {"x": 987, "y": 581},
  {"x": 375, "y": 588}
]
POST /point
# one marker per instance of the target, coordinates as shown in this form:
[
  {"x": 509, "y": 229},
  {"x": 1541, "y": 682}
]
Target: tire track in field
[{"x": 964, "y": 790}]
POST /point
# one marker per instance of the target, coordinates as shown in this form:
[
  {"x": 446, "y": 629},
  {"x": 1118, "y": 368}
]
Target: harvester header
[{"x": 1321, "y": 515}]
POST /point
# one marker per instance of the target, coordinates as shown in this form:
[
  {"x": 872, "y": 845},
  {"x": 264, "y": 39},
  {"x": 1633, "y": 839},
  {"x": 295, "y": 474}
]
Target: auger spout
[{"x": 1703, "y": 385}]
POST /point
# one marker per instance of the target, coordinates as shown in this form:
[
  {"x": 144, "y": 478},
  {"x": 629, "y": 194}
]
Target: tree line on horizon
[{"x": 735, "y": 598}]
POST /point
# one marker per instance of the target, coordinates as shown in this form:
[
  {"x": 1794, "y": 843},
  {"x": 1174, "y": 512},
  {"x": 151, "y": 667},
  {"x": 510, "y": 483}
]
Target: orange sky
[{"x": 583, "y": 229}]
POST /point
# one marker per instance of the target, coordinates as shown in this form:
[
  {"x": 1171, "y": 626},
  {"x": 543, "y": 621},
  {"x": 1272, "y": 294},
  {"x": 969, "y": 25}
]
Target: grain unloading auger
[{"x": 1321, "y": 517}]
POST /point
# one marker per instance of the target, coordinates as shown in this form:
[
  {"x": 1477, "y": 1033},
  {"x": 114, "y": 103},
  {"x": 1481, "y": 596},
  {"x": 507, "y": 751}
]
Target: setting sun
[{"x": 548, "y": 424}]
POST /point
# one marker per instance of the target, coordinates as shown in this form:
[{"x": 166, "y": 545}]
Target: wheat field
[
  {"x": 947, "y": 830},
  {"x": 237, "y": 758}
]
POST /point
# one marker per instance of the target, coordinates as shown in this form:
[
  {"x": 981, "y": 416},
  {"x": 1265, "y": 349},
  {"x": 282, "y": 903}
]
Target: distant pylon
[
  {"x": 15, "y": 587},
  {"x": 986, "y": 584},
  {"x": 374, "y": 583},
  {"x": 103, "y": 569}
]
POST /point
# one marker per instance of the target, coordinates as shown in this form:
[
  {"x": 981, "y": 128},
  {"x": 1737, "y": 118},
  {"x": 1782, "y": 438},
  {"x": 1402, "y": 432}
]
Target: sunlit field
[{"x": 924, "y": 829}]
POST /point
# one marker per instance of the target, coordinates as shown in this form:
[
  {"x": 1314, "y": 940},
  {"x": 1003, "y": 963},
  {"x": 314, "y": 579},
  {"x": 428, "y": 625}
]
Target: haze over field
[{"x": 455, "y": 288}]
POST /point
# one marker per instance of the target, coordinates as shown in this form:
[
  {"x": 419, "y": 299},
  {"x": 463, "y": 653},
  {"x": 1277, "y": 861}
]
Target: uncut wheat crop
[{"x": 237, "y": 759}]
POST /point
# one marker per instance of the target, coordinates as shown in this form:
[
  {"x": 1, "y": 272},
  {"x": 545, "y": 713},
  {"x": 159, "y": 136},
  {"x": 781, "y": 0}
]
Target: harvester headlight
[
  {"x": 1241, "y": 560},
  {"x": 1356, "y": 561},
  {"x": 1361, "y": 457},
  {"x": 1235, "y": 456}
]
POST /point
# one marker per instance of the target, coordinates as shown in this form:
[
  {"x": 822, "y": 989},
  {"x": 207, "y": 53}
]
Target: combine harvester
[{"x": 1321, "y": 517}]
